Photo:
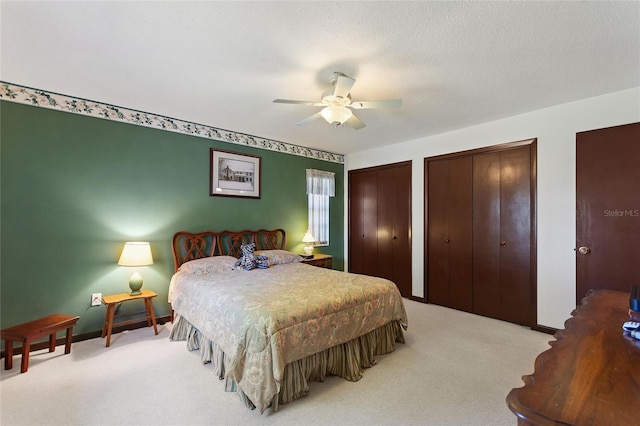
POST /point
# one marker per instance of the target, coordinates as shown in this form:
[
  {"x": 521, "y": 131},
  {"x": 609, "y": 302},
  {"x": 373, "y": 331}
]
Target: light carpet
[{"x": 456, "y": 368}]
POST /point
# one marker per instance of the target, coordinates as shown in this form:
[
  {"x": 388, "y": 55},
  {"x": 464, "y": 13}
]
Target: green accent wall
[{"x": 75, "y": 188}]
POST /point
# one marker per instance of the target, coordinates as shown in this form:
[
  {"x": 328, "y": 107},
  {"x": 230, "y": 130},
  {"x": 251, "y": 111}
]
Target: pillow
[
  {"x": 208, "y": 264},
  {"x": 279, "y": 257}
]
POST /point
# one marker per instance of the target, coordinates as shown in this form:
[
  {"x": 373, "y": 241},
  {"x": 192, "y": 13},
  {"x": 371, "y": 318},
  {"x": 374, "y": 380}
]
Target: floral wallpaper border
[{"x": 26, "y": 95}]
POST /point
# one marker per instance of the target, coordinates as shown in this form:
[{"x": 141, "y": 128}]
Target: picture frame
[{"x": 233, "y": 174}]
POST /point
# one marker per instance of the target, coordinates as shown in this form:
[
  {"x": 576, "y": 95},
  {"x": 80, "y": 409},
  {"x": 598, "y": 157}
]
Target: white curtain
[
  {"x": 320, "y": 182},
  {"x": 320, "y": 186}
]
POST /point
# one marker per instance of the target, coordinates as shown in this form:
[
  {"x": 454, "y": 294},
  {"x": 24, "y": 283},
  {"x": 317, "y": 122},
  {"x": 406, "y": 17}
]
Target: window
[{"x": 320, "y": 186}]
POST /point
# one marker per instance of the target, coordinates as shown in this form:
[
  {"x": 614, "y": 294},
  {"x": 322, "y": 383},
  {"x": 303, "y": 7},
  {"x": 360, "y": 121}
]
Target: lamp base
[
  {"x": 308, "y": 250},
  {"x": 135, "y": 284}
]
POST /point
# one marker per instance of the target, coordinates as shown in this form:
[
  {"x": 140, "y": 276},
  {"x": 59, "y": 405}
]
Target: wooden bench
[{"x": 35, "y": 329}]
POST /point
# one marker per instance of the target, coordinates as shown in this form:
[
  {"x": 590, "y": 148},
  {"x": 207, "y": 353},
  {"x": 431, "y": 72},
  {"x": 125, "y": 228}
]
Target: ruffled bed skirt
[{"x": 347, "y": 360}]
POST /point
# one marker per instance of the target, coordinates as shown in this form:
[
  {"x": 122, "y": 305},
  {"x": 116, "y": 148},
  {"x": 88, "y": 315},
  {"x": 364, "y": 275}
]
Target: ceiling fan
[{"x": 337, "y": 104}]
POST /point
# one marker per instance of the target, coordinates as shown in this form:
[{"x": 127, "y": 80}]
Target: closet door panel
[
  {"x": 385, "y": 223},
  {"x": 356, "y": 222},
  {"x": 370, "y": 224},
  {"x": 401, "y": 232},
  {"x": 515, "y": 231},
  {"x": 461, "y": 234},
  {"x": 357, "y": 184},
  {"x": 486, "y": 234},
  {"x": 438, "y": 232}
]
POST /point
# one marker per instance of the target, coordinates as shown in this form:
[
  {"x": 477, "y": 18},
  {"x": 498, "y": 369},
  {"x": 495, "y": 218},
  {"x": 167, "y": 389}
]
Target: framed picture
[{"x": 234, "y": 174}]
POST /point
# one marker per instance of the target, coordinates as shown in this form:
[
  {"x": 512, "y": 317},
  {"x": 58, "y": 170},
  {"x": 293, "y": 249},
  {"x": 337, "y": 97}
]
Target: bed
[{"x": 269, "y": 332}]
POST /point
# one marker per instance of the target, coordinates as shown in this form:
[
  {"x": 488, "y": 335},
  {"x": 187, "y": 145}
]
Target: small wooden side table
[
  {"x": 321, "y": 260},
  {"x": 31, "y": 330},
  {"x": 117, "y": 299}
]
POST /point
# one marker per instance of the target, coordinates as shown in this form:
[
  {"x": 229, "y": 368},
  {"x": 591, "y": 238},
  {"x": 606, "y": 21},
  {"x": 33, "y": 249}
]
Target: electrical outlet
[{"x": 96, "y": 299}]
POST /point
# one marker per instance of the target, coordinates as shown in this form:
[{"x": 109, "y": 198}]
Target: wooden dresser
[{"x": 591, "y": 374}]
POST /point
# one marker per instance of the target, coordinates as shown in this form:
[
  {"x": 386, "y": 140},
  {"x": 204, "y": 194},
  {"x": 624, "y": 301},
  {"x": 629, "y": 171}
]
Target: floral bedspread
[{"x": 264, "y": 319}]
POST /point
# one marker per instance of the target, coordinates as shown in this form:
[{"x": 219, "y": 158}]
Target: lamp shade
[
  {"x": 136, "y": 254},
  {"x": 336, "y": 115},
  {"x": 308, "y": 238}
]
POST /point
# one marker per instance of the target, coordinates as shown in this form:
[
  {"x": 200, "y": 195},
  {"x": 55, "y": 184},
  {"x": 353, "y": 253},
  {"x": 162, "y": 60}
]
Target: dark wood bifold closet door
[
  {"x": 479, "y": 210},
  {"x": 450, "y": 231},
  {"x": 501, "y": 234},
  {"x": 363, "y": 234},
  {"x": 380, "y": 223},
  {"x": 394, "y": 220}
]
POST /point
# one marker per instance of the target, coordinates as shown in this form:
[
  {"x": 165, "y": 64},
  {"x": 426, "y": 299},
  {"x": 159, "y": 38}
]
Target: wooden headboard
[{"x": 188, "y": 246}]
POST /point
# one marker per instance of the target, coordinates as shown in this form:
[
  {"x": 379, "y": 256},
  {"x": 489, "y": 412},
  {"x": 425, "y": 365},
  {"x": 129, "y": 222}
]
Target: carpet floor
[{"x": 456, "y": 368}]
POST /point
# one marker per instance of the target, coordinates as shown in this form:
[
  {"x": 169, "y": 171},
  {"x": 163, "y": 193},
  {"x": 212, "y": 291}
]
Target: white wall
[{"x": 555, "y": 128}]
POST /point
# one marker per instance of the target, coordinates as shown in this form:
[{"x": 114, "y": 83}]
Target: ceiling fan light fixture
[
  {"x": 337, "y": 103},
  {"x": 336, "y": 115}
]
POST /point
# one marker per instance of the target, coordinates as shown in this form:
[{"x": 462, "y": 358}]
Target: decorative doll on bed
[{"x": 248, "y": 260}]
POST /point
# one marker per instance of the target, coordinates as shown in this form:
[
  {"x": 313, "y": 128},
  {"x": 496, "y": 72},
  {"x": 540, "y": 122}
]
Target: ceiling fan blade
[
  {"x": 355, "y": 122},
  {"x": 289, "y": 101},
  {"x": 391, "y": 103},
  {"x": 343, "y": 86},
  {"x": 308, "y": 120}
]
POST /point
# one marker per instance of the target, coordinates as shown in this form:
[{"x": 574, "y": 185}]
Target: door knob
[
  {"x": 584, "y": 250},
  {"x": 503, "y": 243}
]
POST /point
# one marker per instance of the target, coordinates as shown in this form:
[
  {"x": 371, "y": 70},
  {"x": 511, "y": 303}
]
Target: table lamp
[
  {"x": 135, "y": 254},
  {"x": 308, "y": 240}
]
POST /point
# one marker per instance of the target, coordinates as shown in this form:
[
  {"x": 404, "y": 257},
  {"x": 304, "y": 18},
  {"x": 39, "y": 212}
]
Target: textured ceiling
[{"x": 454, "y": 64}]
